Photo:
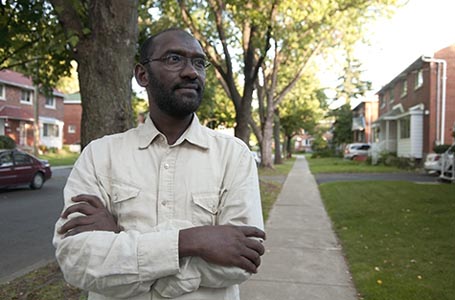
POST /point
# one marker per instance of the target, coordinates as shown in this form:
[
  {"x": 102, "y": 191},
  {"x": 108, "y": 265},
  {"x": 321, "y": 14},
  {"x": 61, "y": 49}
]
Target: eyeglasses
[{"x": 176, "y": 62}]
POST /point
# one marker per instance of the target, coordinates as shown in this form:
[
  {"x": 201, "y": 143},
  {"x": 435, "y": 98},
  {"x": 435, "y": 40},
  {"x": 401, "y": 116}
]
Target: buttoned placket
[{"x": 166, "y": 187}]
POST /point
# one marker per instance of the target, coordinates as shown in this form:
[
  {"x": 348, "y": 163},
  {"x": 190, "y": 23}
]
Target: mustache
[{"x": 188, "y": 85}]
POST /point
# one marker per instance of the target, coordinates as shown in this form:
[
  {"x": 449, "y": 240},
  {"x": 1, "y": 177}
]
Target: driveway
[{"x": 414, "y": 177}]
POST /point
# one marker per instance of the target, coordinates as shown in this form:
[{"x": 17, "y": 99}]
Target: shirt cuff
[{"x": 158, "y": 254}]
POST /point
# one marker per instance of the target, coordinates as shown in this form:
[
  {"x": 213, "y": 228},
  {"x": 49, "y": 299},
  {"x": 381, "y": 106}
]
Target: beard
[{"x": 173, "y": 104}]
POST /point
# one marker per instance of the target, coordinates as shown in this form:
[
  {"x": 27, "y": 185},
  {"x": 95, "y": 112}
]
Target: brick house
[
  {"x": 417, "y": 108},
  {"x": 72, "y": 118},
  {"x": 364, "y": 114},
  {"x": 17, "y": 112}
]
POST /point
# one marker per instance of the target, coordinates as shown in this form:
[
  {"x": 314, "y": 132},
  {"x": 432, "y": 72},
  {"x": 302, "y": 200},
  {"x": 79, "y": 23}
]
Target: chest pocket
[
  {"x": 123, "y": 199},
  {"x": 205, "y": 208}
]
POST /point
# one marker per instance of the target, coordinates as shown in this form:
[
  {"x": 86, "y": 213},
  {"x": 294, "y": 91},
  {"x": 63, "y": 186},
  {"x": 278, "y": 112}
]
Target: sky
[{"x": 421, "y": 27}]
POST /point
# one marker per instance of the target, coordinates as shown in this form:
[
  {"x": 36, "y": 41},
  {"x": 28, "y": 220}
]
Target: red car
[{"x": 20, "y": 168}]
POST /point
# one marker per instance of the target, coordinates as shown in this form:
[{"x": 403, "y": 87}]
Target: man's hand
[
  {"x": 224, "y": 245},
  {"x": 97, "y": 217}
]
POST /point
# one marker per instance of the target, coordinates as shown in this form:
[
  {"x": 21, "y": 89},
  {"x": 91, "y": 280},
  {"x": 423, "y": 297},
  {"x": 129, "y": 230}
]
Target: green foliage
[
  {"x": 391, "y": 159},
  {"x": 6, "y": 142},
  {"x": 140, "y": 106},
  {"x": 33, "y": 42},
  {"x": 441, "y": 148},
  {"x": 216, "y": 108},
  {"x": 342, "y": 128}
]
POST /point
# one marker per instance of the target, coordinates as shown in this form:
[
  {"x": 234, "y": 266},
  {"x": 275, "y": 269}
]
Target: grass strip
[
  {"x": 398, "y": 237},
  {"x": 339, "y": 165}
]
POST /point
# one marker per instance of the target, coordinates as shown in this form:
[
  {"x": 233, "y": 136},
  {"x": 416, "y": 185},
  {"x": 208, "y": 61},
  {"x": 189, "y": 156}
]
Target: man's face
[{"x": 177, "y": 93}]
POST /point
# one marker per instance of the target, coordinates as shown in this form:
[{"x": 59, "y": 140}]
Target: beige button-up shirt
[{"x": 156, "y": 189}]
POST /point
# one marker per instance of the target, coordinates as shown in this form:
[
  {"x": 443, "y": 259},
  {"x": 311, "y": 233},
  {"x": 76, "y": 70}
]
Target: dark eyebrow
[{"x": 184, "y": 53}]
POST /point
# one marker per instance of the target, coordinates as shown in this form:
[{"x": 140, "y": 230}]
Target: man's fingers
[
  {"x": 255, "y": 245},
  {"x": 251, "y": 231},
  {"x": 247, "y": 265},
  {"x": 83, "y": 208},
  {"x": 76, "y": 222},
  {"x": 90, "y": 199},
  {"x": 252, "y": 256},
  {"x": 79, "y": 229}
]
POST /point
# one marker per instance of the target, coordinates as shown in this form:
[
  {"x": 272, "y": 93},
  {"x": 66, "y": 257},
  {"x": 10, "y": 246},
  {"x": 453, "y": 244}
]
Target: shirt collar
[{"x": 195, "y": 134}]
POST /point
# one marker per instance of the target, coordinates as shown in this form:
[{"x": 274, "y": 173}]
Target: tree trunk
[
  {"x": 289, "y": 146},
  {"x": 276, "y": 137},
  {"x": 105, "y": 62}
]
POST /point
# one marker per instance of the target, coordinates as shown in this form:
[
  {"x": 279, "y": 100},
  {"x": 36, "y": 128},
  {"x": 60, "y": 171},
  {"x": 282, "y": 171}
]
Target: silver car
[{"x": 355, "y": 150}]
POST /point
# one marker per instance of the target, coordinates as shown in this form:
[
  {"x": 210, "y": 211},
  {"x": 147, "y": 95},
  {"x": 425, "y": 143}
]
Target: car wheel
[{"x": 37, "y": 181}]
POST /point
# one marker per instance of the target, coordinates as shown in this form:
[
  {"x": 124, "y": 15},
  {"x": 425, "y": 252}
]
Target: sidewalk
[{"x": 303, "y": 260}]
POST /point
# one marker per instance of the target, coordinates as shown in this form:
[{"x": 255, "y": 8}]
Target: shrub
[
  {"x": 441, "y": 148},
  {"x": 6, "y": 142}
]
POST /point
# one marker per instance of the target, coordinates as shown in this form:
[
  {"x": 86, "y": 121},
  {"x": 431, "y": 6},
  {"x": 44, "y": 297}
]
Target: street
[{"x": 27, "y": 219}]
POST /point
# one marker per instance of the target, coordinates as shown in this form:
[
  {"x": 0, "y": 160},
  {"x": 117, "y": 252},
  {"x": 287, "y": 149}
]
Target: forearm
[{"x": 120, "y": 265}]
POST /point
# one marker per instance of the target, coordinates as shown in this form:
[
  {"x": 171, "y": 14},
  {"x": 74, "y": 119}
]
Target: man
[{"x": 170, "y": 209}]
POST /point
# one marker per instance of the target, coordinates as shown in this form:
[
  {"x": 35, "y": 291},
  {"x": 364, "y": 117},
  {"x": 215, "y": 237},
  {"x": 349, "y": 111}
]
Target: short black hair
[{"x": 146, "y": 48}]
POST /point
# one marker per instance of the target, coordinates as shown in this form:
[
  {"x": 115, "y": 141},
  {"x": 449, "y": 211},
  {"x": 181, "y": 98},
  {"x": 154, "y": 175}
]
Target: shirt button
[
  {"x": 163, "y": 203},
  {"x": 166, "y": 166}
]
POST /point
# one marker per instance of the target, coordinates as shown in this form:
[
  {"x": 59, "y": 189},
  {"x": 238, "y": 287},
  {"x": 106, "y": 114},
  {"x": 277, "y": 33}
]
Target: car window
[
  {"x": 6, "y": 160},
  {"x": 365, "y": 147},
  {"x": 22, "y": 159}
]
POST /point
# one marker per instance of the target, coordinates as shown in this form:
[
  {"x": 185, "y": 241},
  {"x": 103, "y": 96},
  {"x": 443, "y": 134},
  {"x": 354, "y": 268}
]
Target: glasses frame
[{"x": 164, "y": 59}]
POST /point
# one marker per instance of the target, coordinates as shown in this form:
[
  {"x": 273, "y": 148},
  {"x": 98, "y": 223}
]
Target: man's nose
[{"x": 189, "y": 70}]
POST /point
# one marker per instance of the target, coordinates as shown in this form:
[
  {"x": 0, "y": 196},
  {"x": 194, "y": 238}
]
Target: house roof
[
  {"x": 416, "y": 65},
  {"x": 20, "y": 80},
  {"x": 15, "y": 113}
]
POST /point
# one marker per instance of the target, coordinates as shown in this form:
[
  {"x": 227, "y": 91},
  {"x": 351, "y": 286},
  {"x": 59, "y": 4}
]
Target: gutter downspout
[{"x": 443, "y": 92}]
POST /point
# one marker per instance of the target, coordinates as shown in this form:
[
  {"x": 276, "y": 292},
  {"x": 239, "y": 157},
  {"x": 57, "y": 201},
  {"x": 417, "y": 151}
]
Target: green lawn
[
  {"x": 398, "y": 237},
  {"x": 339, "y": 165},
  {"x": 60, "y": 158}
]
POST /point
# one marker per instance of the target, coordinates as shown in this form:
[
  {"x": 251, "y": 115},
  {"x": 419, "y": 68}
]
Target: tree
[
  {"x": 342, "y": 128},
  {"x": 350, "y": 87},
  {"x": 304, "y": 113},
  {"x": 100, "y": 35}
]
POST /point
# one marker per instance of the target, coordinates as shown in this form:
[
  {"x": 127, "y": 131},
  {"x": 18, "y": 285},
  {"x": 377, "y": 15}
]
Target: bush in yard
[
  {"x": 441, "y": 148},
  {"x": 6, "y": 142}
]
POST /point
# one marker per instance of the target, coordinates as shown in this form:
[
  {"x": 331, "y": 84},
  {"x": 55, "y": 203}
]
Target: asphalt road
[{"x": 27, "y": 219}]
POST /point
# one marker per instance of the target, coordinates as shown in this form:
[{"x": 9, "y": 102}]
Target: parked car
[
  {"x": 20, "y": 168},
  {"x": 435, "y": 163},
  {"x": 432, "y": 163},
  {"x": 355, "y": 150}
]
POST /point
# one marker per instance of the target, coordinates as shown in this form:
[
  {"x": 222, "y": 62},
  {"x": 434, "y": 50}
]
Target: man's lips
[{"x": 188, "y": 86}]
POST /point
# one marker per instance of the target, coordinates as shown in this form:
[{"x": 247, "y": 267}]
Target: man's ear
[{"x": 141, "y": 74}]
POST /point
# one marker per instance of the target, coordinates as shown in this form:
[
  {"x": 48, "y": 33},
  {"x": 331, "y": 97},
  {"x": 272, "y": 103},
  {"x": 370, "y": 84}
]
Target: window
[
  {"x": 418, "y": 80},
  {"x": 2, "y": 92},
  {"x": 404, "y": 88},
  {"x": 50, "y": 130},
  {"x": 381, "y": 101},
  {"x": 50, "y": 102},
  {"x": 22, "y": 159},
  {"x": 71, "y": 128},
  {"x": 391, "y": 96},
  {"x": 6, "y": 160},
  {"x": 26, "y": 97},
  {"x": 405, "y": 128}
]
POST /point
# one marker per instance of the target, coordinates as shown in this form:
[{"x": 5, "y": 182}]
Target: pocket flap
[
  {"x": 208, "y": 202},
  {"x": 122, "y": 192}
]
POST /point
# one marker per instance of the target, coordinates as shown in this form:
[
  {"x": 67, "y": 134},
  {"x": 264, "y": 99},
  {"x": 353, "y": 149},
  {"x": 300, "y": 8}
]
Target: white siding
[{"x": 416, "y": 133}]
